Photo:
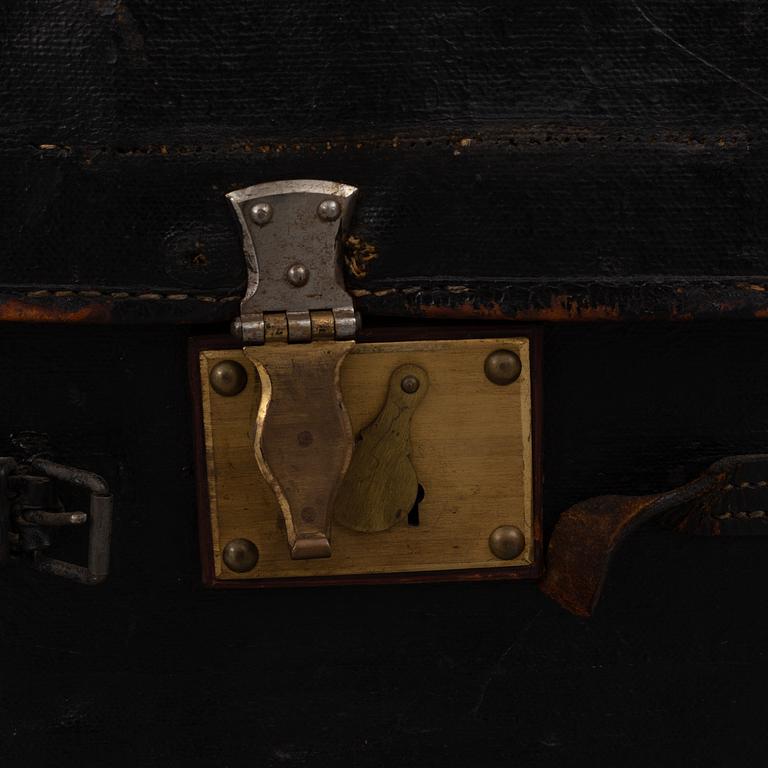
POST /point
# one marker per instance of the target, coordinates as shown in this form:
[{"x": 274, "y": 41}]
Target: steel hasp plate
[{"x": 473, "y": 445}]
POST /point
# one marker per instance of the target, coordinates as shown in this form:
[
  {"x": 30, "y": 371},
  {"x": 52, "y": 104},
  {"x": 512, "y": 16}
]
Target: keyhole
[{"x": 413, "y": 515}]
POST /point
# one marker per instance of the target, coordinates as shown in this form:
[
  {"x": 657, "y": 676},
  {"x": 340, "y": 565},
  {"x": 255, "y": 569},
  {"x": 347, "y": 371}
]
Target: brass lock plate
[{"x": 473, "y": 444}]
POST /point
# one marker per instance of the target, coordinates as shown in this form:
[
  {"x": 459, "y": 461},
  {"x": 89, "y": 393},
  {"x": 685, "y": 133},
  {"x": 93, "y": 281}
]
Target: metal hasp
[
  {"x": 29, "y": 507},
  {"x": 303, "y": 440}
]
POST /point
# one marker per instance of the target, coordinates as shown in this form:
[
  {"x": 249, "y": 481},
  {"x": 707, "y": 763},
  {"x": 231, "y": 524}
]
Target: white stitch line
[
  {"x": 356, "y": 292},
  {"x": 757, "y": 514},
  {"x": 748, "y": 484},
  {"x": 522, "y": 138},
  {"x": 361, "y": 292},
  {"x": 43, "y": 293}
]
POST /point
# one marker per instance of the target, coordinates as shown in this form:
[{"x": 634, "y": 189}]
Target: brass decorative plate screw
[
  {"x": 240, "y": 555},
  {"x": 506, "y": 542},
  {"x": 228, "y": 378},
  {"x": 502, "y": 367}
]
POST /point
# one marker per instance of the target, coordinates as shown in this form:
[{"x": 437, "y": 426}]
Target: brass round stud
[
  {"x": 240, "y": 555},
  {"x": 502, "y": 367},
  {"x": 228, "y": 378},
  {"x": 410, "y": 384},
  {"x": 506, "y": 542}
]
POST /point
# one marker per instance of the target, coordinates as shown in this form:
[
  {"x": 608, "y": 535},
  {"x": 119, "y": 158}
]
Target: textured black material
[
  {"x": 563, "y": 160},
  {"x": 585, "y": 210},
  {"x": 152, "y": 670},
  {"x": 131, "y": 72},
  {"x": 556, "y": 161}
]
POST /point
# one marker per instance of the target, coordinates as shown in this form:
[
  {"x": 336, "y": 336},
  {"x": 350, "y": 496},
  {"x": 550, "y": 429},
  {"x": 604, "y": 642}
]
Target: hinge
[{"x": 291, "y": 241}]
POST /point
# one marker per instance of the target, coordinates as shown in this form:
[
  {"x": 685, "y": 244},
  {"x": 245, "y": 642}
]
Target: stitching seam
[{"x": 144, "y": 296}]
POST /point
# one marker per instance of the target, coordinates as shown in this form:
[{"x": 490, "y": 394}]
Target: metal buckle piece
[{"x": 29, "y": 507}]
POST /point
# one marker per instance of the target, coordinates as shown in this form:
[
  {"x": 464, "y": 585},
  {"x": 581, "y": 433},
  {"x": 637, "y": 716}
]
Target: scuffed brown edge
[{"x": 514, "y": 300}]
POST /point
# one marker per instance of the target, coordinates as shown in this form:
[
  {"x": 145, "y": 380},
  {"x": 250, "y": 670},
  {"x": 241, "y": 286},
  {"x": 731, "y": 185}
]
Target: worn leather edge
[
  {"x": 678, "y": 299},
  {"x": 105, "y": 306}
]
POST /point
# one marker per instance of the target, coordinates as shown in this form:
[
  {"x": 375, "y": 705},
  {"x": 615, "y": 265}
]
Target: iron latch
[
  {"x": 31, "y": 510},
  {"x": 295, "y": 295}
]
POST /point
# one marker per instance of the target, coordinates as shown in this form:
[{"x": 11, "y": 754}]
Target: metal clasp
[
  {"x": 297, "y": 307},
  {"x": 30, "y": 509}
]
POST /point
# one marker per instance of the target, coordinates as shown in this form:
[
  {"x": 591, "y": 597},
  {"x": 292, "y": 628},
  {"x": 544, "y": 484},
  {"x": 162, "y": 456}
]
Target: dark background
[
  {"x": 553, "y": 162},
  {"x": 150, "y": 669}
]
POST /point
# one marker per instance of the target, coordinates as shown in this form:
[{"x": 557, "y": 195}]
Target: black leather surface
[
  {"x": 549, "y": 161},
  {"x": 136, "y": 72},
  {"x": 150, "y": 669},
  {"x": 559, "y": 161}
]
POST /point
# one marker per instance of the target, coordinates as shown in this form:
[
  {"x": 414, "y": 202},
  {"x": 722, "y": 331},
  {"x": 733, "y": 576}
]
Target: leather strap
[{"x": 730, "y": 498}]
